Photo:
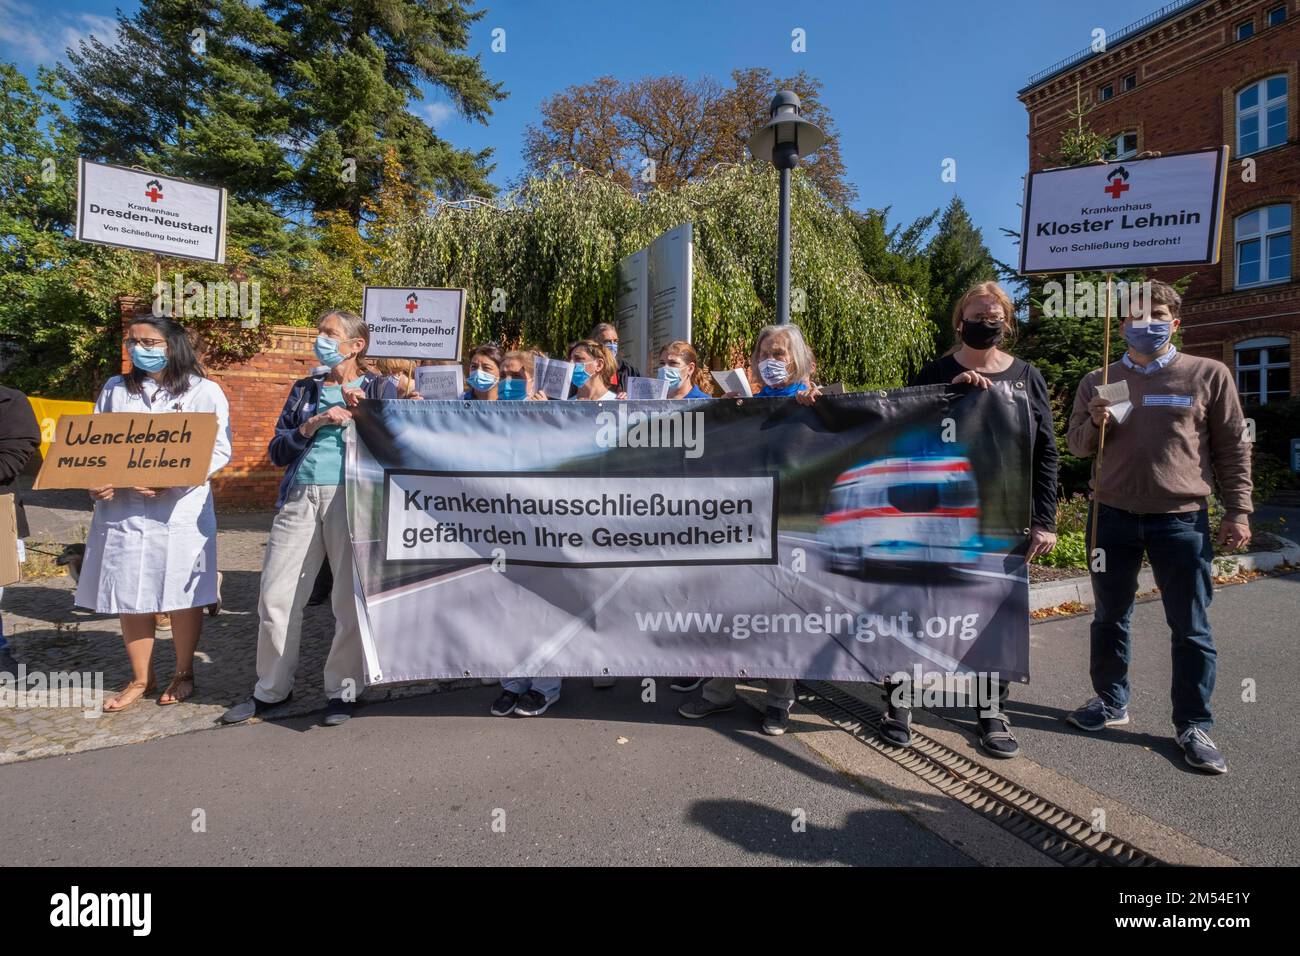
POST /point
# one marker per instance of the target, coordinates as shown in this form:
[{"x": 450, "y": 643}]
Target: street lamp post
[{"x": 781, "y": 141}]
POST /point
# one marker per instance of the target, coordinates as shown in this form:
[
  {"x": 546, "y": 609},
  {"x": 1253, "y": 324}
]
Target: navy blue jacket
[{"x": 289, "y": 446}]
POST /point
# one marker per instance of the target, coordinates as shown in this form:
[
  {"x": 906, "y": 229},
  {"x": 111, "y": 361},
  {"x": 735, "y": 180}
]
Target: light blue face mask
[
  {"x": 327, "y": 350},
  {"x": 512, "y": 390},
  {"x": 670, "y": 374},
  {"x": 613, "y": 348},
  {"x": 148, "y": 360},
  {"x": 480, "y": 380},
  {"x": 1149, "y": 339},
  {"x": 580, "y": 375}
]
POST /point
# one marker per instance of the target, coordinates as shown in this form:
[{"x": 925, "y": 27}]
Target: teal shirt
[{"x": 324, "y": 462}]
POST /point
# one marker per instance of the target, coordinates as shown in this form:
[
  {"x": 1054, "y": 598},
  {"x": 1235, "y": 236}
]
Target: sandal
[
  {"x": 180, "y": 677},
  {"x": 143, "y": 688}
]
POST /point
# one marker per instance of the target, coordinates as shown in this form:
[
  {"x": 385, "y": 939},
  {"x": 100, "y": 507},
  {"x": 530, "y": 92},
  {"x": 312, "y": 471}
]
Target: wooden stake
[{"x": 1101, "y": 435}]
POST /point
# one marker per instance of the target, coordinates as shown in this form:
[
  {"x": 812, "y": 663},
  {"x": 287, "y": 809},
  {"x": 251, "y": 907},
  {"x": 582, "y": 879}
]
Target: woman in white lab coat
[{"x": 154, "y": 550}]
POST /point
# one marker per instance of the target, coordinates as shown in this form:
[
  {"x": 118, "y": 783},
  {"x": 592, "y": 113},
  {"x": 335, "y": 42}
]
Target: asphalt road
[
  {"x": 1250, "y": 814},
  {"x": 421, "y": 781}
]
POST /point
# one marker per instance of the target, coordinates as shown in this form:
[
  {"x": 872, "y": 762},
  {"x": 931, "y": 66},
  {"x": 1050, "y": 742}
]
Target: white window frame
[
  {"x": 1125, "y": 85},
  {"x": 1247, "y": 24},
  {"x": 1102, "y": 97},
  {"x": 1264, "y": 367},
  {"x": 1117, "y": 144},
  {"x": 1263, "y": 236},
  {"x": 1268, "y": 17},
  {"x": 1261, "y": 108}
]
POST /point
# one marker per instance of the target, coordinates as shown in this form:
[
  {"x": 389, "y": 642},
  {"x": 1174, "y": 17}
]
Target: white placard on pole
[
  {"x": 670, "y": 274},
  {"x": 414, "y": 323},
  {"x": 135, "y": 209},
  {"x": 1129, "y": 214},
  {"x": 632, "y": 319}
]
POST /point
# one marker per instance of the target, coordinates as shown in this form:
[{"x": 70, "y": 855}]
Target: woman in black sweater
[{"x": 983, "y": 320}]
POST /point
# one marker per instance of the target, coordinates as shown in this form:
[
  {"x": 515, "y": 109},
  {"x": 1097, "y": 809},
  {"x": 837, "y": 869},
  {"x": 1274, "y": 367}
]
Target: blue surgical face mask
[
  {"x": 613, "y": 348},
  {"x": 512, "y": 390},
  {"x": 773, "y": 372},
  {"x": 1149, "y": 339},
  {"x": 480, "y": 380},
  {"x": 670, "y": 374},
  {"x": 580, "y": 375},
  {"x": 327, "y": 350},
  {"x": 148, "y": 360}
]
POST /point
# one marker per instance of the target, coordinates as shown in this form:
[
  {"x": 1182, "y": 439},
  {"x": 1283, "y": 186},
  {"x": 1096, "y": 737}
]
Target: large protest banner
[{"x": 872, "y": 533}]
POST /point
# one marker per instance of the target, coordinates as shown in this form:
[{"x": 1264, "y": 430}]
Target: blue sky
[{"x": 909, "y": 83}]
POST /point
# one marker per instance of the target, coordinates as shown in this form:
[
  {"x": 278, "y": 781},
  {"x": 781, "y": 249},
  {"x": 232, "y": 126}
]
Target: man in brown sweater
[{"x": 1180, "y": 435}]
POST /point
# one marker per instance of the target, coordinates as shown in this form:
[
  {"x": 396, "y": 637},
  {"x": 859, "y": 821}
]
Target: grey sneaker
[
  {"x": 698, "y": 707},
  {"x": 1098, "y": 715},
  {"x": 1199, "y": 750},
  {"x": 250, "y": 708}
]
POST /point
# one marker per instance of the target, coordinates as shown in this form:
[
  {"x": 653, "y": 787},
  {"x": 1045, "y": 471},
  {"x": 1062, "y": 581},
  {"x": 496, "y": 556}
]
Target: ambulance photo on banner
[{"x": 872, "y": 533}]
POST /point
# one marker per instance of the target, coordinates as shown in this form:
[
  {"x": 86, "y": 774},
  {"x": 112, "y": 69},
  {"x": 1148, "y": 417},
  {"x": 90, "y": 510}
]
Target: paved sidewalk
[{"x": 49, "y": 635}]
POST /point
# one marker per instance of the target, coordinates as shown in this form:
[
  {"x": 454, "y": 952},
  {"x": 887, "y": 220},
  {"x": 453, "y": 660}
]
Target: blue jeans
[
  {"x": 548, "y": 687},
  {"x": 1181, "y": 555}
]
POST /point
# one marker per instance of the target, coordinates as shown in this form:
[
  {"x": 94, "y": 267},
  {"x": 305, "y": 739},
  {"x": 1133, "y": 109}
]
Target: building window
[
  {"x": 1261, "y": 115},
  {"x": 1263, "y": 251},
  {"x": 1130, "y": 81},
  {"x": 1106, "y": 92},
  {"x": 1264, "y": 370},
  {"x": 1245, "y": 30},
  {"x": 1123, "y": 146},
  {"x": 1276, "y": 15}
]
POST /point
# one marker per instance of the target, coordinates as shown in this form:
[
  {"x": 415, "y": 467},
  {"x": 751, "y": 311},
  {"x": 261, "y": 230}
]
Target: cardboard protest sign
[
  {"x": 414, "y": 323},
  {"x": 136, "y": 209},
  {"x": 1132, "y": 214},
  {"x": 129, "y": 450},
  {"x": 10, "y": 563}
]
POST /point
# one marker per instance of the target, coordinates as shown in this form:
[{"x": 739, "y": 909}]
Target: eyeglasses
[
  {"x": 512, "y": 375},
  {"x": 144, "y": 343},
  {"x": 993, "y": 319}
]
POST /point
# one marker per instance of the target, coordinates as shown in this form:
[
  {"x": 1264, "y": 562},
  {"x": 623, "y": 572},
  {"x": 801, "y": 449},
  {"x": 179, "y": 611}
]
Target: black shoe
[
  {"x": 776, "y": 721},
  {"x": 337, "y": 711},
  {"x": 896, "y": 726},
  {"x": 686, "y": 684},
  {"x": 532, "y": 704},
  {"x": 504, "y": 705},
  {"x": 996, "y": 737},
  {"x": 250, "y": 708},
  {"x": 8, "y": 664}
]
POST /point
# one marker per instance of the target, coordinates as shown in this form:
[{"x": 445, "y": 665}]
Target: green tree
[
  {"x": 350, "y": 69},
  {"x": 57, "y": 296},
  {"x": 552, "y": 248},
  {"x": 894, "y": 254},
  {"x": 958, "y": 259}
]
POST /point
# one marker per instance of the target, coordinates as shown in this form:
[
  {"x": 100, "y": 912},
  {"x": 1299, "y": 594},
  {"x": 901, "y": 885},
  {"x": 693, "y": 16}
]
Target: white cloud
[
  {"x": 29, "y": 36},
  {"x": 435, "y": 113}
]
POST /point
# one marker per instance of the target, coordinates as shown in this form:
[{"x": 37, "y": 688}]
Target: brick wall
[
  {"x": 1189, "y": 69},
  {"x": 256, "y": 390}
]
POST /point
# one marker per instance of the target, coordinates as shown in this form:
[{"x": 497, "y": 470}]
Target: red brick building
[{"x": 1193, "y": 74}]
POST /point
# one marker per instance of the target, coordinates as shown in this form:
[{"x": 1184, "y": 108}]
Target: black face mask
[{"x": 980, "y": 336}]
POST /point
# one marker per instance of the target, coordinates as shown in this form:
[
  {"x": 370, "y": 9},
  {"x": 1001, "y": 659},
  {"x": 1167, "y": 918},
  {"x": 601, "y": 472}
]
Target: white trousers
[{"x": 312, "y": 523}]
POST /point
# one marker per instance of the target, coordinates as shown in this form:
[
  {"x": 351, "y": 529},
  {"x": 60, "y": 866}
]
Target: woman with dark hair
[
  {"x": 312, "y": 523},
  {"x": 484, "y": 373},
  {"x": 154, "y": 550}
]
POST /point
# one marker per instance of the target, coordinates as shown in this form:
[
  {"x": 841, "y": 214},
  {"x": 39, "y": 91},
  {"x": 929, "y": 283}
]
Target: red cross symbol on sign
[
  {"x": 1116, "y": 188},
  {"x": 153, "y": 193},
  {"x": 411, "y": 305}
]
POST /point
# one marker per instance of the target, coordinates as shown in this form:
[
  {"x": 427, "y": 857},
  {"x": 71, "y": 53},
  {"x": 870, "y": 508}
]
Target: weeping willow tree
[{"x": 542, "y": 268}]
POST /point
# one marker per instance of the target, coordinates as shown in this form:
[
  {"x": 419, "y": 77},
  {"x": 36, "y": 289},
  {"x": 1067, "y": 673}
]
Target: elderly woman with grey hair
[{"x": 312, "y": 522}]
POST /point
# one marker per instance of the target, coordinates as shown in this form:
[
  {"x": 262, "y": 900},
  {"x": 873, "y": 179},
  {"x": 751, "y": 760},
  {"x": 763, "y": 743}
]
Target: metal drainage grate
[{"x": 1054, "y": 831}]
